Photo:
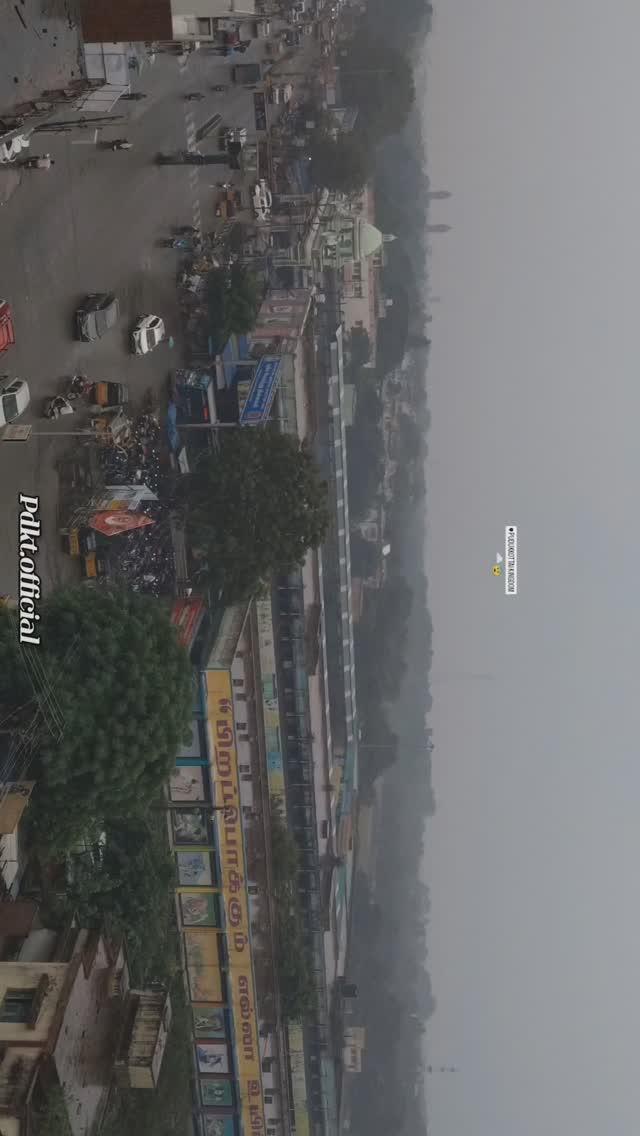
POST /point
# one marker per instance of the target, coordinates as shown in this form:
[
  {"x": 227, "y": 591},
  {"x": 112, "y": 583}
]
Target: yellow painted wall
[{"x": 27, "y": 975}]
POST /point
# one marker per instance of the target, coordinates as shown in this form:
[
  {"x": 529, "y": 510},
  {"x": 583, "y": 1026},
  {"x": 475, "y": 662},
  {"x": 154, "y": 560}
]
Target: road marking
[
  {"x": 85, "y": 141},
  {"x": 194, "y": 174}
]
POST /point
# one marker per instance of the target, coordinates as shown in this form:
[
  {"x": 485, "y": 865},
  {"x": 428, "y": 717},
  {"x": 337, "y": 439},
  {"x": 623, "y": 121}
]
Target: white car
[
  {"x": 147, "y": 334},
  {"x": 14, "y": 400},
  {"x": 262, "y": 200}
]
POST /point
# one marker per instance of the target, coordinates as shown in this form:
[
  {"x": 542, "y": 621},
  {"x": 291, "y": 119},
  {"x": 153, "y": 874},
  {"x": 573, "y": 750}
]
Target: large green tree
[
  {"x": 295, "y": 973},
  {"x": 115, "y": 688},
  {"x": 129, "y": 888},
  {"x": 234, "y": 296},
  {"x": 254, "y": 508},
  {"x": 343, "y": 164},
  {"x": 377, "y": 78}
]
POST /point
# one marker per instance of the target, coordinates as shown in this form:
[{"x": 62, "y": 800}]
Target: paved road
[{"x": 94, "y": 222}]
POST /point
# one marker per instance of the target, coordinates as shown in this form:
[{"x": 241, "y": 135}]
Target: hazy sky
[{"x": 533, "y": 114}]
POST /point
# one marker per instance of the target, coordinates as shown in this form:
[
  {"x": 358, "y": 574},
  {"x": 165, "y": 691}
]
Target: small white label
[{"x": 511, "y": 560}]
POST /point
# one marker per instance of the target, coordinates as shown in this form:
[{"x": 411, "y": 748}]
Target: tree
[
  {"x": 130, "y": 890},
  {"x": 292, "y": 957},
  {"x": 122, "y": 695},
  {"x": 233, "y": 298},
  {"x": 377, "y": 78},
  {"x": 343, "y": 164},
  {"x": 254, "y": 508},
  {"x": 50, "y": 1116}
]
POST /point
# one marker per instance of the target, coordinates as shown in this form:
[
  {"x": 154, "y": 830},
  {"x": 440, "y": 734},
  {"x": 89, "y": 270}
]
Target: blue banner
[{"x": 262, "y": 393}]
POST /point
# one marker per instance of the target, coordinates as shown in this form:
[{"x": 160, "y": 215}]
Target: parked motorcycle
[
  {"x": 77, "y": 387},
  {"x": 184, "y": 243},
  {"x": 57, "y": 407}
]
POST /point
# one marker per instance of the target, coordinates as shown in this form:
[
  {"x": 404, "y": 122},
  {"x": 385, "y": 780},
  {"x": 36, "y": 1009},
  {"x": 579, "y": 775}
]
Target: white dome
[{"x": 370, "y": 238}]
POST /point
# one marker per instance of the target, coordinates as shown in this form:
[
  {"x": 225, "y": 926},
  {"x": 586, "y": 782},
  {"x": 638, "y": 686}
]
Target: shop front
[{"x": 231, "y": 857}]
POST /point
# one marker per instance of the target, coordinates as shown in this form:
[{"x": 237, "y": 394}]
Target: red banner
[
  {"x": 186, "y": 618},
  {"x": 110, "y": 524}
]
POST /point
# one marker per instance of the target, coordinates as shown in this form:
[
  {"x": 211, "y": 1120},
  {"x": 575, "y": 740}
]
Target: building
[
  {"x": 341, "y": 236},
  {"x": 69, "y": 1018},
  {"x": 274, "y": 732},
  {"x": 157, "y": 20}
]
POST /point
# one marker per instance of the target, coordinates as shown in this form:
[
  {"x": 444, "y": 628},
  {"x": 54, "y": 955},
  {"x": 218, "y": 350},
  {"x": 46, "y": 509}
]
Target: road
[{"x": 91, "y": 223}]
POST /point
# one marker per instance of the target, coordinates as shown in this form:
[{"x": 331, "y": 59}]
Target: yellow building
[{"x": 74, "y": 1023}]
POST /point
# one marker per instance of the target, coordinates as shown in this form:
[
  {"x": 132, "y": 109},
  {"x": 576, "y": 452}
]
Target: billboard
[
  {"x": 186, "y": 617},
  {"x": 242, "y": 996},
  {"x": 194, "y": 869},
  {"x": 112, "y": 524},
  {"x": 212, "y": 1057},
  {"x": 190, "y": 826},
  {"x": 209, "y": 1021},
  {"x": 216, "y": 1093},
  {"x": 218, "y": 1125},
  {"x": 186, "y": 784},
  {"x": 263, "y": 389},
  {"x": 199, "y": 909},
  {"x": 228, "y": 635},
  {"x": 203, "y": 965}
]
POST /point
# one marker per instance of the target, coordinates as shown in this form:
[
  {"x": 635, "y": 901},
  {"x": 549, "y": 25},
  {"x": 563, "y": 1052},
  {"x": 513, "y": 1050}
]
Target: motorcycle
[
  {"x": 77, "y": 387},
  {"x": 57, "y": 407},
  {"x": 194, "y": 97},
  {"x": 186, "y": 244}
]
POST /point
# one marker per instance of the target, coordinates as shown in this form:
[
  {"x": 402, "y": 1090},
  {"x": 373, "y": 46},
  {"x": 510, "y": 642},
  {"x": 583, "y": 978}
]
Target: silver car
[{"x": 98, "y": 314}]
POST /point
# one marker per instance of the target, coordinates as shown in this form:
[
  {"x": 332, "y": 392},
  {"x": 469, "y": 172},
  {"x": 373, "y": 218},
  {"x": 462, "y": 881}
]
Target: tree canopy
[
  {"x": 292, "y": 957},
  {"x": 377, "y": 78},
  {"x": 343, "y": 164},
  {"x": 254, "y": 508},
  {"x": 129, "y": 889},
  {"x": 115, "y": 678},
  {"x": 233, "y": 298}
]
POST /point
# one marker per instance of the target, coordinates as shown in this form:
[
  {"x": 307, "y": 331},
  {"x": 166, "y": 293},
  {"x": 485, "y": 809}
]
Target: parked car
[
  {"x": 147, "y": 334},
  {"x": 262, "y": 200},
  {"x": 14, "y": 400},
  {"x": 98, "y": 314}
]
